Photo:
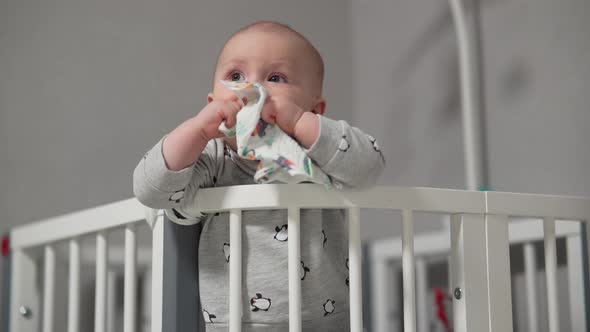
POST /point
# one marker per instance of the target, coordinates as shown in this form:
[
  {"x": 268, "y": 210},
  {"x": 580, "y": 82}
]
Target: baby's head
[{"x": 280, "y": 58}]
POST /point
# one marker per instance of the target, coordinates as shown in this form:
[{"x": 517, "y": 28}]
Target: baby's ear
[
  {"x": 320, "y": 106},
  {"x": 209, "y": 97}
]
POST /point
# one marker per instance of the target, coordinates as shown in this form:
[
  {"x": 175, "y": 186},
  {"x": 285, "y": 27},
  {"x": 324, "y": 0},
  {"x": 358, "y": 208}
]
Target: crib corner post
[
  {"x": 175, "y": 282},
  {"x": 25, "y": 306},
  {"x": 499, "y": 276},
  {"x": 469, "y": 273}
]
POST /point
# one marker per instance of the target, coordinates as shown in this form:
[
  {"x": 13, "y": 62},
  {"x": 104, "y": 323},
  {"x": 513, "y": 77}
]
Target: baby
[{"x": 197, "y": 155}]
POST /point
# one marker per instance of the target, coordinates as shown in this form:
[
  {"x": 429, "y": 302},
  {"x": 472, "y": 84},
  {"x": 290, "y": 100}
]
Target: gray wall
[
  {"x": 86, "y": 87},
  {"x": 537, "y": 84}
]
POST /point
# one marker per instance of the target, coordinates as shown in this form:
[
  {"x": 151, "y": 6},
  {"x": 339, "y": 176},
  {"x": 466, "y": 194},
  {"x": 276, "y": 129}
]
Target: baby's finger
[
  {"x": 230, "y": 116},
  {"x": 235, "y": 103}
]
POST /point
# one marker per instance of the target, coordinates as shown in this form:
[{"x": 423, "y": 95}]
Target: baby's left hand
[{"x": 283, "y": 112}]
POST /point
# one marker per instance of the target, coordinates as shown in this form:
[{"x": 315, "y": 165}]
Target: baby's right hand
[{"x": 216, "y": 112}]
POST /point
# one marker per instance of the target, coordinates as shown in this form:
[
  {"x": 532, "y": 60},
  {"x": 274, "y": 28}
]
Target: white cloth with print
[{"x": 281, "y": 157}]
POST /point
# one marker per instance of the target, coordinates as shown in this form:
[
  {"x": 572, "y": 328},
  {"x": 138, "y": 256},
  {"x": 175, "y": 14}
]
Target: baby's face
[{"x": 278, "y": 60}]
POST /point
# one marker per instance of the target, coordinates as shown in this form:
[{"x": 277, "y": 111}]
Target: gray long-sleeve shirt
[{"x": 349, "y": 156}]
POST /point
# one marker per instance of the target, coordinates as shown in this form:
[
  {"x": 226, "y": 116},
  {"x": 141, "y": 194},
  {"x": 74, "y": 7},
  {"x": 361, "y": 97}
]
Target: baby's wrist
[
  {"x": 307, "y": 129},
  {"x": 198, "y": 129}
]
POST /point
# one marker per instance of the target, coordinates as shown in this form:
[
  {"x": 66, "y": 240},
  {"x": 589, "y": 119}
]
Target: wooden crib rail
[{"x": 479, "y": 242}]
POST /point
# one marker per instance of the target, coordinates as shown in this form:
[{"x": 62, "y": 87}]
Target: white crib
[
  {"x": 434, "y": 248},
  {"x": 478, "y": 241}
]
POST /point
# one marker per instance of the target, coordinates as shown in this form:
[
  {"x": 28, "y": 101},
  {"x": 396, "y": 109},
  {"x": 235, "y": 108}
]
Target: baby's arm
[
  {"x": 158, "y": 187},
  {"x": 186, "y": 159},
  {"x": 184, "y": 144},
  {"x": 347, "y": 154}
]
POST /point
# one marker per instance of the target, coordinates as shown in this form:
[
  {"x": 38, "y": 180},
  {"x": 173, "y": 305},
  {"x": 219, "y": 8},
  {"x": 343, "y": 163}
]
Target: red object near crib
[{"x": 5, "y": 246}]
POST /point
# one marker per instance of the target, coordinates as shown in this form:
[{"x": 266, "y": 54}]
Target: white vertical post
[
  {"x": 408, "y": 270},
  {"x": 100, "y": 302},
  {"x": 294, "y": 244},
  {"x": 576, "y": 283},
  {"x": 74, "y": 287},
  {"x": 498, "y": 272},
  {"x": 393, "y": 313},
  {"x": 354, "y": 270},
  {"x": 530, "y": 270},
  {"x": 422, "y": 294},
  {"x": 48, "y": 288},
  {"x": 551, "y": 273},
  {"x": 469, "y": 263},
  {"x": 130, "y": 300},
  {"x": 111, "y": 300},
  {"x": 382, "y": 286},
  {"x": 157, "y": 279},
  {"x": 146, "y": 304},
  {"x": 235, "y": 271},
  {"x": 24, "y": 296}
]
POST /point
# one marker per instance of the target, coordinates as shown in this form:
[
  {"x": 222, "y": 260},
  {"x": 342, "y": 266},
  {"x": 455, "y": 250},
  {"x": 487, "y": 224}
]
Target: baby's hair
[{"x": 277, "y": 26}]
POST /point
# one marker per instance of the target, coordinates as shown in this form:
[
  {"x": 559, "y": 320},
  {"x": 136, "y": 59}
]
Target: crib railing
[
  {"x": 32, "y": 304},
  {"x": 479, "y": 243},
  {"x": 435, "y": 247}
]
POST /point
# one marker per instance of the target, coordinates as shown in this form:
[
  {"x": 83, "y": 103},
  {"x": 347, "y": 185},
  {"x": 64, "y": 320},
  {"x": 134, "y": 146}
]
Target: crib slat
[
  {"x": 354, "y": 270},
  {"x": 551, "y": 273},
  {"x": 530, "y": 269},
  {"x": 409, "y": 272},
  {"x": 111, "y": 300},
  {"x": 74, "y": 287},
  {"x": 48, "y": 288},
  {"x": 100, "y": 300},
  {"x": 293, "y": 235},
  {"x": 235, "y": 271},
  {"x": 157, "y": 279},
  {"x": 384, "y": 280},
  {"x": 130, "y": 300},
  {"x": 422, "y": 294},
  {"x": 576, "y": 283}
]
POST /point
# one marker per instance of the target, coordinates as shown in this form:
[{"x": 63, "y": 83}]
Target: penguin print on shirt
[
  {"x": 226, "y": 251},
  {"x": 347, "y": 281},
  {"x": 260, "y": 303},
  {"x": 375, "y": 145},
  {"x": 177, "y": 196},
  {"x": 208, "y": 317},
  {"x": 329, "y": 307},
  {"x": 344, "y": 145},
  {"x": 178, "y": 215},
  {"x": 282, "y": 234},
  {"x": 304, "y": 270}
]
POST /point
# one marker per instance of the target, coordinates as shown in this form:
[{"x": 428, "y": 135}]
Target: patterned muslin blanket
[{"x": 281, "y": 157}]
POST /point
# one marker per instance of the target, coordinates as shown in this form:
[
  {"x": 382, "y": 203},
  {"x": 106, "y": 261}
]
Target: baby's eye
[
  {"x": 236, "y": 77},
  {"x": 277, "y": 79}
]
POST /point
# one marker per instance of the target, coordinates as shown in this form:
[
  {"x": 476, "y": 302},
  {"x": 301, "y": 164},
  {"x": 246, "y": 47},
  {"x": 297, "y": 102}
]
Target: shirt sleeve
[
  {"x": 157, "y": 187},
  {"x": 347, "y": 154}
]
